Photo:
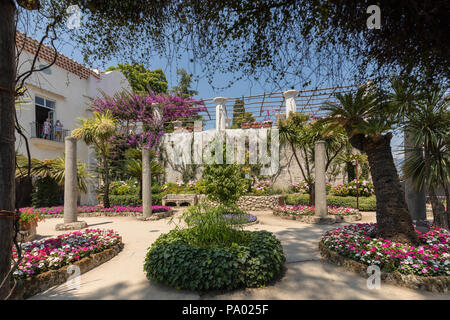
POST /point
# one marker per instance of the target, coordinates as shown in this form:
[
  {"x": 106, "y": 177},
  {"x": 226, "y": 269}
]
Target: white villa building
[{"x": 63, "y": 92}]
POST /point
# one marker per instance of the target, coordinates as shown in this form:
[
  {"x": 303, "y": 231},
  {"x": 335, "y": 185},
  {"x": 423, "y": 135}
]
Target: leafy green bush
[
  {"x": 225, "y": 183},
  {"x": 208, "y": 226},
  {"x": 365, "y": 189},
  {"x": 46, "y": 193},
  {"x": 127, "y": 199},
  {"x": 133, "y": 199},
  {"x": 176, "y": 262},
  {"x": 297, "y": 198},
  {"x": 365, "y": 203},
  {"x": 124, "y": 187}
]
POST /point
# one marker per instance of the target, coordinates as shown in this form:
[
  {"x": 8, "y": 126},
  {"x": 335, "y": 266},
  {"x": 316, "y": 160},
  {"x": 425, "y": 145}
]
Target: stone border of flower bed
[
  {"x": 330, "y": 219},
  {"x": 31, "y": 286},
  {"x": 154, "y": 216},
  {"x": 250, "y": 223},
  {"x": 438, "y": 284}
]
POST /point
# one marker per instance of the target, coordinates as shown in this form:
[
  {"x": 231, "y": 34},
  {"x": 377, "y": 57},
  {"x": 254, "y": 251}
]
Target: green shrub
[
  {"x": 365, "y": 189},
  {"x": 208, "y": 227},
  {"x": 297, "y": 198},
  {"x": 128, "y": 199},
  {"x": 365, "y": 203},
  {"x": 124, "y": 187},
  {"x": 46, "y": 193},
  {"x": 225, "y": 183},
  {"x": 133, "y": 199},
  {"x": 176, "y": 262},
  {"x": 368, "y": 204}
]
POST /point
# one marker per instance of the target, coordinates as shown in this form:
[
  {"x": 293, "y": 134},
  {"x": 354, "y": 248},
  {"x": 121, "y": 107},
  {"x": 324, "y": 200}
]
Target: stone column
[
  {"x": 146, "y": 184},
  {"x": 290, "y": 101},
  {"x": 221, "y": 114},
  {"x": 70, "y": 188},
  {"x": 415, "y": 199},
  {"x": 320, "y": 187}
]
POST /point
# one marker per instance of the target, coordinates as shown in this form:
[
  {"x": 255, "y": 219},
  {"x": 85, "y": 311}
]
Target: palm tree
[
  {"x": 429, "y": 124},
  {"x": 367, "y": 118},
  {"x": 97, "y": 132},
  {"x": 53, "y": 168},
  {"x": 302, "y": 134},
  {"x": 133, "y": 166}
]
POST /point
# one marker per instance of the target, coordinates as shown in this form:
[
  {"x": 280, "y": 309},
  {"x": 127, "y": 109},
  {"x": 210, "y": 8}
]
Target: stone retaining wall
[
  {"x": 438, "y": 284},
  {"x": 251, "y": 203},
  {"x": 319, "y": 220},
  {"x": 30, "y": 286}
]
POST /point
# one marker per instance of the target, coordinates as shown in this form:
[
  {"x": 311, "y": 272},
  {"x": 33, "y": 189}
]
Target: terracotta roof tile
[{"x": 47, "y": 53}]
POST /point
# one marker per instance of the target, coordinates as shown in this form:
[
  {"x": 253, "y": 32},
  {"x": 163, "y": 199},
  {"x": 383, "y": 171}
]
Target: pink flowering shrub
[
  {"x": 89, "y": 209},
  {"x": 304, "y": 210},
  {"x": 261, "y": 186},
  {"x": 53, "y": 253},
  {"x": 359, "y": 242},
  {"x": 365, "y": 189},
  {"x": 303, "y": 187}
]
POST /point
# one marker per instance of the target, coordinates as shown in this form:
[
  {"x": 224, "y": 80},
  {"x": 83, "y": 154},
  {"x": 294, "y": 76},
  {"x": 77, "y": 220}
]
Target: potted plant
[
  {"x": 29, "y": 219},
  {"x": 245, "y": 125},
  {"x": 267, "y": 124},
  {"x": 256, "y": 124}
]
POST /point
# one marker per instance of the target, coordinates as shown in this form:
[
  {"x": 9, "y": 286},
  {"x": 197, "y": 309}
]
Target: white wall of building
[{"x": 72, "y": 96}]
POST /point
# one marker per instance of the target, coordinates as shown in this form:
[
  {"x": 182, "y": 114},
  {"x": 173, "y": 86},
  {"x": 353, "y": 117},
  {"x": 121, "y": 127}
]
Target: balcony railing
[{"x": 37, "y": 131}]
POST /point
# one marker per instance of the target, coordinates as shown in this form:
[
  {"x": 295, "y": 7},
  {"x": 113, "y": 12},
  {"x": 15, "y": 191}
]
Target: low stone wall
[
  {"x": 434, "y": 284},
  {"x": 27, "y": 235},
  {"x": 319, "y": 220},
  {"x": 155, "y": 216},
  {"x": 251, "y": 203},
  {"x": 28, "y": 287}
]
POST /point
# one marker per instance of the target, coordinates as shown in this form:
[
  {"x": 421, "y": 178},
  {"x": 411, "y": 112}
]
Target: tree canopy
[
  {"x": 304, "y": 39},
  {"x": 184, "y": 85},
  {"x": 142, "y": 79}
]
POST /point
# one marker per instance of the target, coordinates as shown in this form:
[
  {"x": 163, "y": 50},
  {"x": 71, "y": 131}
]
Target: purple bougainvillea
[{"x": 150, "y": 111}]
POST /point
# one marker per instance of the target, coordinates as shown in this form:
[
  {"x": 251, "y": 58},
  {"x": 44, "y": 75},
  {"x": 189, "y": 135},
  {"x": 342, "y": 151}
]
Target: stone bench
[{"x": 179, "y": 199}]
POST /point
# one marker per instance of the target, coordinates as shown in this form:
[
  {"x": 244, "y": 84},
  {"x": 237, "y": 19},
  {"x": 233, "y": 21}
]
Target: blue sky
[{"x": 245, "y": 87}]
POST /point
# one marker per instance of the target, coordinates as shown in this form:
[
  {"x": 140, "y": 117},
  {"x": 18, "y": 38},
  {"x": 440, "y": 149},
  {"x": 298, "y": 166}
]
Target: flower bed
[
  {"x": 303, "y": 210},
  {"x": 304, "y": 213},
  {"x": 359, "y": 242},
  {"x": 58, "y": 211},
  {"x": 56, "y": 252},
  {"x": 245, "y": 218}
]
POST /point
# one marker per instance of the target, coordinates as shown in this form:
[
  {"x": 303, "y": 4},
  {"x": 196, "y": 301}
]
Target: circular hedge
[{"x": 173, "y": 261}]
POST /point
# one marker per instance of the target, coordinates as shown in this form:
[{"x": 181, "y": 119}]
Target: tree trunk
[
  {"x": 447, "y": 199},
  {"x": 350, "y": 171},
  {"x": 7, "y": 136},
  {"x": 106, "y": 203},
  {"x": 312, "y": 194},
  {"x": 393, "y": 220},
  {"x": 439, "y": 215}
]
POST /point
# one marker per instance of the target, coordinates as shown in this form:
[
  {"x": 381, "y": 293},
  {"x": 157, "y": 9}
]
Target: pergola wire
[{"x": 269, "y": 106}]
